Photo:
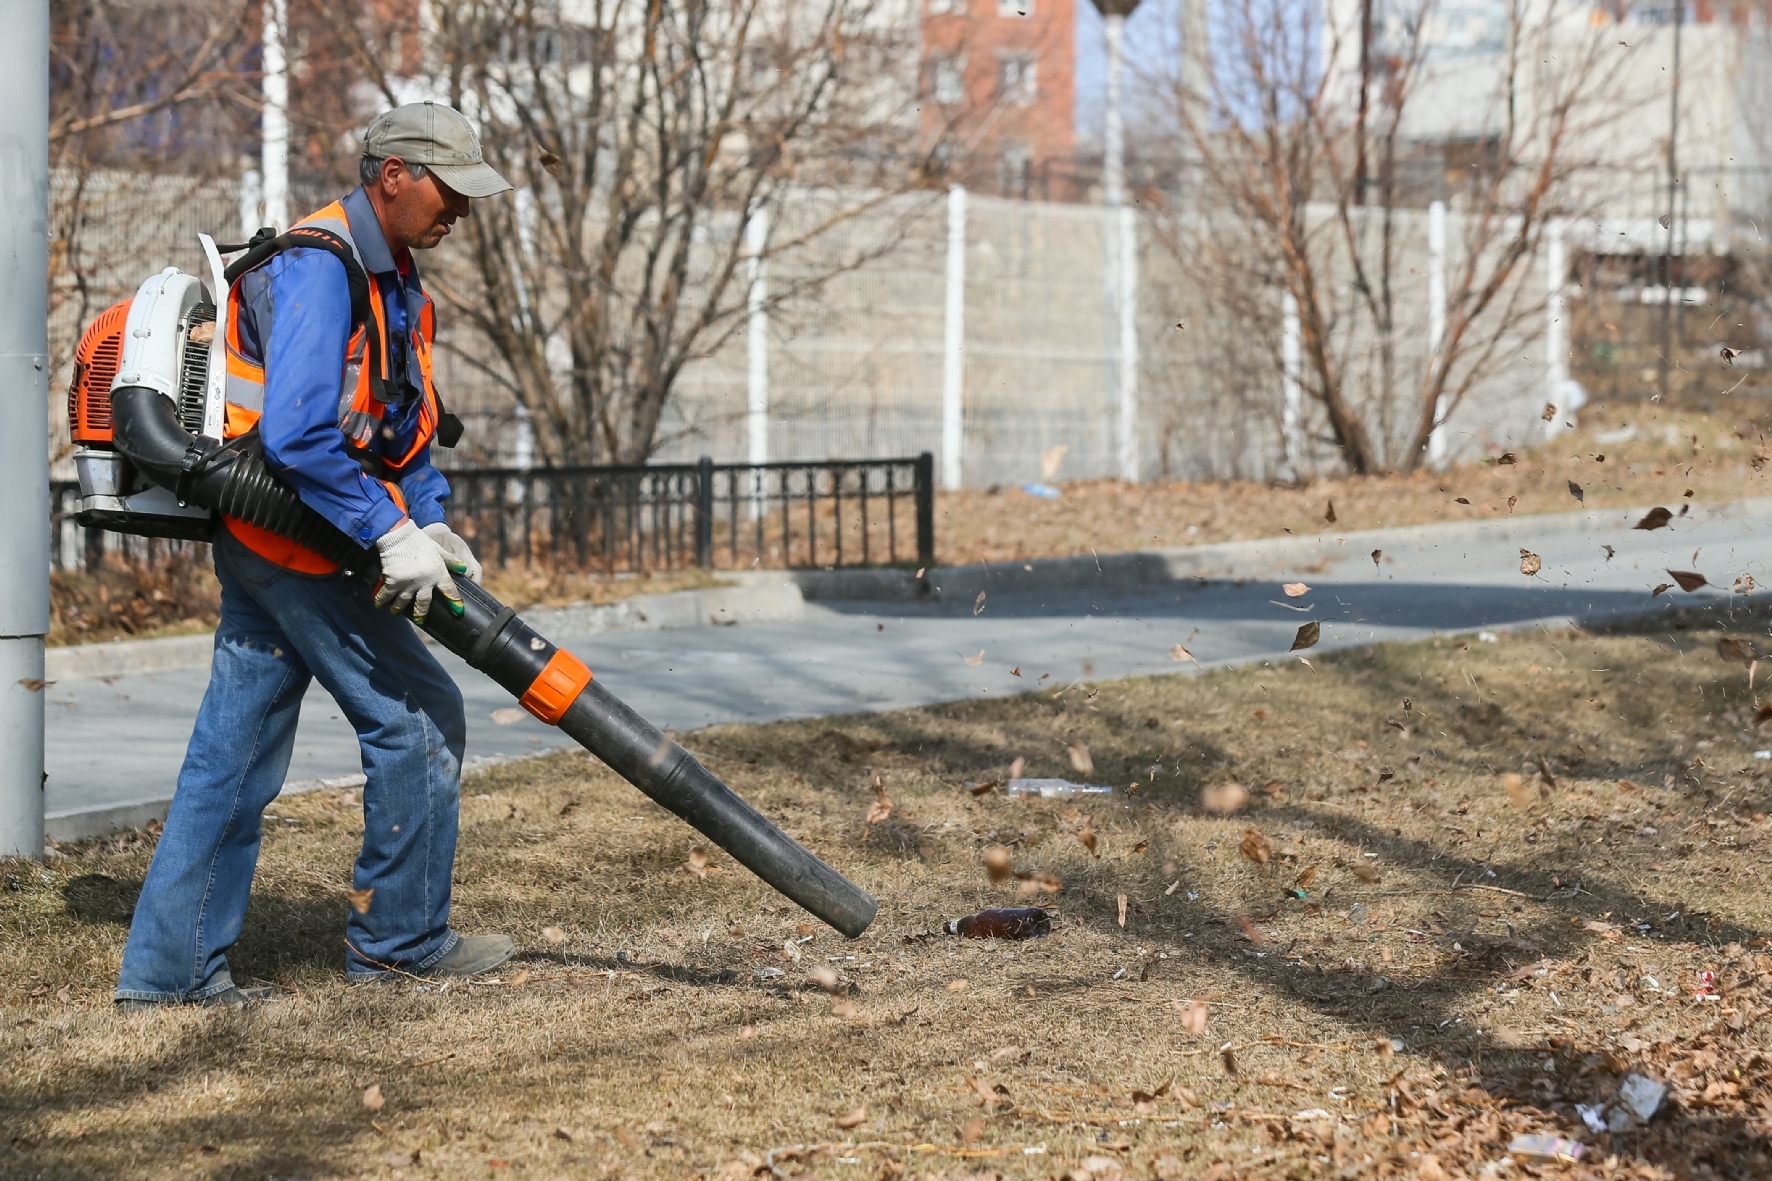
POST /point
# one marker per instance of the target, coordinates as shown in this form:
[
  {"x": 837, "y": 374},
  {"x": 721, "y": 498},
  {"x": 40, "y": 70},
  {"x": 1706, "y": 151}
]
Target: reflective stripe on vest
[{"x": 359, "y": 411}]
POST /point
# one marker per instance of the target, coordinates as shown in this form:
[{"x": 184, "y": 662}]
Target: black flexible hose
[{"x": 492, "y": 638}]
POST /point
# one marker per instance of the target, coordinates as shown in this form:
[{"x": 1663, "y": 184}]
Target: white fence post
[
  {"x": 953, "y": 354},
  {"x": 275, "y": 121},
  {"x": 1556, "y": 330},
  {"x": 1291, "y": 392},
  {"x": 756, "y": 240},
  {"x": 1436, "y": 321},
  {"x": 1128, "y": 350}
]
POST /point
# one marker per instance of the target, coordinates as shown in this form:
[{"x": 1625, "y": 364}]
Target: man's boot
[{"x": 472, "y": 955}]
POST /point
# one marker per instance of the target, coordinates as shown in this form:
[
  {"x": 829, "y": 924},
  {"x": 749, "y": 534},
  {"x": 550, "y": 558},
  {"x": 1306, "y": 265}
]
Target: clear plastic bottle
[{"x": 1051, "y": 789}]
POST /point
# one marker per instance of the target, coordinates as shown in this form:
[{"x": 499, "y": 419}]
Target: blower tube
[{"x": 552, "y": 683}]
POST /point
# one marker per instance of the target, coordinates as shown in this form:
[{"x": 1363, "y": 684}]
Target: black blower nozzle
[{"x": 552, "y": 683}]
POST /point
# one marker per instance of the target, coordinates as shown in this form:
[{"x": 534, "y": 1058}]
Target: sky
[{"x": 1153, "y": 50}]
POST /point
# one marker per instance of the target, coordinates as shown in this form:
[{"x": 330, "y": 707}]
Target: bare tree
[
  {"x": 643, "y": 136},
  {"x": 1310, "y": 141}
]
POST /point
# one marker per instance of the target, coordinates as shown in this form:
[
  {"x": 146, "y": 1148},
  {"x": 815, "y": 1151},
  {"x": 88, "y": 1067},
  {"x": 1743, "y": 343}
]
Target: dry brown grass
[
  {"x": 1508, "y": 947},
  {"x": 1714, "y": 450}
]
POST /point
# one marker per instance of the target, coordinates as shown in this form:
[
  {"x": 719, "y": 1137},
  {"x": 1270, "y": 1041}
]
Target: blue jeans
[{"x": 279, "y": 630}]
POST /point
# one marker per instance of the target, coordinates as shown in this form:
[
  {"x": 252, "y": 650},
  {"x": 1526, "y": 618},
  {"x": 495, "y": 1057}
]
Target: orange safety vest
[{"x": 362, "y": 377}]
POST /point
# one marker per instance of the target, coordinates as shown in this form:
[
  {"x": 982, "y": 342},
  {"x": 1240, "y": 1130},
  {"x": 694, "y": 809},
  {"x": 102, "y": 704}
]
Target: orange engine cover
[{"x": 95, "y": 364}]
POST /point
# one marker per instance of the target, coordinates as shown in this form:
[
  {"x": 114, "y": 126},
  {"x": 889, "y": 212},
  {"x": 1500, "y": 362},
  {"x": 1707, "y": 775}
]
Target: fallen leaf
[
  {"x": 1517, "y": 790},
  {"x": 1193, "y": 1016},
  {"x": 509, "y": 716},
  {"x": 360, "y": 899},
  {"x": 698, "y": 862},
  {"x": 1295, "y": 589},
  {"x": 372, "y": 1097},
  {"x": 520, "y": 979},
  {"x": 1256, "y": 847},
  {"x": 1655, "y": 518},
  {"x": 1530, "y": 563},
  {"x": 1307, "y": 636},
  {"x": 1366, "y": 873},
  {"x": 1180, "y": 653},
  {"x": 1224, "y": 798},
  {"x": 1306, "y": 876},
  {"x": 959, "y": 985},
  {"x": 987, "y": 1094},
  {"x": 1081, "y": 762},
  {"x": 399, "y": 1160},
  {"x": 844, "y": 1008},
  {"x": 1329, "y": 513},
  {"x": 553, "y": 935},
  {"x": 1689, "y": 580},
  {"x": 1576, "y": 492},
  {"x": 978, "y": 603},
  {"x": 972, "y": 1131},
  {"x": 996, "y": 863},
  {"x": 628, "y": 1139},
  {"x": 1122, "y": 903},
  {"x": 975, "y": 661}
]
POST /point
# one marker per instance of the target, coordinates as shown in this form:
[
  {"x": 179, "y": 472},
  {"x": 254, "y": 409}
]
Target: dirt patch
[
  {"x": 1476, "y": 886},
  {"x": 1632, "y": 453}
]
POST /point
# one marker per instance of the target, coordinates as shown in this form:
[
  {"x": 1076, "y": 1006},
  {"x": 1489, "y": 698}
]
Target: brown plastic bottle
[{"x": 1009, "y": 922}]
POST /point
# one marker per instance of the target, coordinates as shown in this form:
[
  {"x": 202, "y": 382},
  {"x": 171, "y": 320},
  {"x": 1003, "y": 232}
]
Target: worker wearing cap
[{"x": 341, "y": 398}]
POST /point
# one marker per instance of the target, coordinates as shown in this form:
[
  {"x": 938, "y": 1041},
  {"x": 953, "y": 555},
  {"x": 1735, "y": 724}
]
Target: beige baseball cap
[{"x": 441, "y": 139}]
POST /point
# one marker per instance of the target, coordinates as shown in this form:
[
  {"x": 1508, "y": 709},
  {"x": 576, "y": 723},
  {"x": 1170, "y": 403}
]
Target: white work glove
[
  {"x": 412, "y": 567},
  {"x": 461, "y": 559}
]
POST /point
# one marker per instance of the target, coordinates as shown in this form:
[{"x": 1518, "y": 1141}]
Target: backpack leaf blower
[{"x": 146, "y": 412}]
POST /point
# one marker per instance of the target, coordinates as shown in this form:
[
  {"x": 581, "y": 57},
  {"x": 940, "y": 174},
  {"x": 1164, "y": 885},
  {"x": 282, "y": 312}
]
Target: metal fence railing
[{"x": 874, "y": 512}]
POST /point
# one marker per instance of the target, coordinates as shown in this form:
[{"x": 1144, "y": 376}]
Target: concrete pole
[
  {"x": 1113, "y": 165},
  {"x": 252, "y": 197},
  {"x": 1556, "y": 328},
  {"x": 1127, "y": 355},
  {"x": 24, "y": 420},
  {"x": 756, "y": 240},
  {"x": 275, "y": 124},
  {"x": 953, "y": 372},
  {"x": 1291, "y": 388},
  {"x": 1437, "y": 443}
]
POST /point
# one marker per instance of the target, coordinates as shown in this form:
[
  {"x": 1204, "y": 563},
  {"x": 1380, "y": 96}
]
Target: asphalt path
[{"x": 120, "y": 740}]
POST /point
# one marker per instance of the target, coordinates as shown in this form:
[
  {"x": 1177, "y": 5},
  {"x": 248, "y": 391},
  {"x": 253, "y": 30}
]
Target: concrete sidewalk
[{"x": 820, "y": 643}]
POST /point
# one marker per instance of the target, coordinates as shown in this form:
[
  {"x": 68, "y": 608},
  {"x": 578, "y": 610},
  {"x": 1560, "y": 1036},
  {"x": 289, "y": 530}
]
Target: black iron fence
[{"x": 873, "y": 512}]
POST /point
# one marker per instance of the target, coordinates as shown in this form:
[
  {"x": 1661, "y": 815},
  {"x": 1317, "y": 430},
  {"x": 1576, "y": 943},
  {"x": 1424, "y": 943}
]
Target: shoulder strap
[{"x": 267, "y": 243}]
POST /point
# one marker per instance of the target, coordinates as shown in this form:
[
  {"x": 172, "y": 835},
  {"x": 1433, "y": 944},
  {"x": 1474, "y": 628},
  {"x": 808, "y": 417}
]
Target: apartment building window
[
  {"x": 1015, "y": 7},
  {"x": 947, "y": 7},
  {"x": 1015, "y": 171},
  {"x": 1015, "y": 79},
  {"x": 947, "y": 82}
]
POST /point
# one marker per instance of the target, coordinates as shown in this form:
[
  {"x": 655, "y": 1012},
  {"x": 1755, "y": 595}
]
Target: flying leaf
[
  {"x": 360, "y": 899},
  {"x": 698, "y": 862},
  {"x": 996, "y": 863},
  {"x": 1728, "y": 354},
  {"x": 34, "y": 684},
  {"x": 1655, "y": 518},
  {"x": 1505, "y": 459},
  {"x": 1295, "y": 589},
  {"x": 1516, "y": 788},
  {"x": 1306, "y": 876},
  {"x": 553, "y": 935},
  {"x": 1038, "y": 883},
  {"x": 826, "y": 978},
  {"x": 987, "y": 1094},
  {"x": 1689, "y": 580},
  {"x": 1086, "y": 835},
  {"x": 1250, "y": 931},
  {"x": 1329, "y": 513},
  {"x": 975, "y": 661},
  {"x": 1736, "y": 651},
  {"x": 1080, "y": 760},
  {"x": 881, "y": 809},
  {"x": 1530, "y": 563},
  {"x": 1016, "y": 671},
  {"x": 1660, "y": 587},
  {"x": 1180, "y": 653},
  {"x": 554, "y": 165},
  {"x": 1366, "y": 873},
  {"x": 372, "y": 1097},
  {"x": 1193, "y": 1016},
  {"x": 1377, "y": 554},
  {"x": 1549, "y": 412},
  {"x": 1576, "y": 492},
  {"x": 1122, "y": 904},
  {"x": 1461, "y": 500},
  {"x": 978, "y": 603},
  {"x": 845, "y": 1008},
  {"x": 1256, "y": 847},
  {"x": 852, "y": 1119},
  {"x": 1224, "y": 798},
  {"x": 1017, "y": 767},
  {"x": 1307, "y": 636},
  {"x": 509, "y": 715}
]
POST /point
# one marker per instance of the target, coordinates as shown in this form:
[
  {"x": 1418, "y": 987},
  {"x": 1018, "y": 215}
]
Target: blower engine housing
[{"x": 168, "y": 338}]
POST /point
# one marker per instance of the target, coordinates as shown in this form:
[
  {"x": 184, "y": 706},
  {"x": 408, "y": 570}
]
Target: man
[{"x": 342, "y": 401}]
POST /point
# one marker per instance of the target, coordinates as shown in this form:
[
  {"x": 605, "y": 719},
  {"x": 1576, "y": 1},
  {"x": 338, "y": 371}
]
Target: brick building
[{"x": 998, "y": 94}]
